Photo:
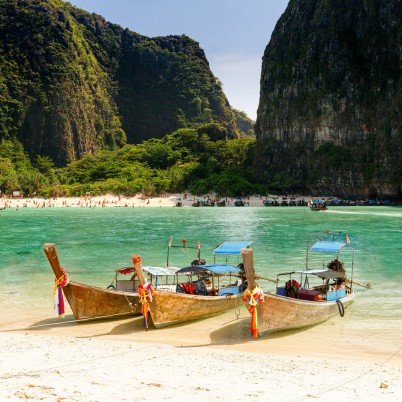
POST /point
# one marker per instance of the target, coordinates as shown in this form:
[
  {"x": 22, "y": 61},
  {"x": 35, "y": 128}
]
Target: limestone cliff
[
  {"x": 329, "y": 117},
  {"x": 72, "y": 83}
]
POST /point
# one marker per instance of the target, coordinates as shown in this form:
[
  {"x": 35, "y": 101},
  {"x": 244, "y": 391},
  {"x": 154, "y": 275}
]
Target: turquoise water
[{"x": 92, "y": 243}]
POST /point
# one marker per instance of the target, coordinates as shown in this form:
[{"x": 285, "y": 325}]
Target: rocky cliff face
[
  {"x": 71, "y": 83},
  {"x": 329, "y": 114}
]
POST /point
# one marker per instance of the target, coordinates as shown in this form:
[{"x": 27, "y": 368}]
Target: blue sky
[{"x": 233, "y": 34}]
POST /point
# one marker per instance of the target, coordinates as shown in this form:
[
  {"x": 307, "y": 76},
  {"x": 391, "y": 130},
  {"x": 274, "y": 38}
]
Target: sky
[{"x": 232, "y": 33}]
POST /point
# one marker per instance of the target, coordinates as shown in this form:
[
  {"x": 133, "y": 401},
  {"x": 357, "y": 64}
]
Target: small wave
[{"x": 388, "y": 214}]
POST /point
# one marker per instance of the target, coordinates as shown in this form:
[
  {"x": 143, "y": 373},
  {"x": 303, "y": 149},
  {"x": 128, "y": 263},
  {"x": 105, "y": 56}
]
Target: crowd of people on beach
[{"x": 117, "y": 201}]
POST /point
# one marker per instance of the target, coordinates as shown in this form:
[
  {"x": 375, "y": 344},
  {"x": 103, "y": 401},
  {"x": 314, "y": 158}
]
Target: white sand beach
[
  {"x": 117, "y": 201},
  {"x": 202, "y": 360}
]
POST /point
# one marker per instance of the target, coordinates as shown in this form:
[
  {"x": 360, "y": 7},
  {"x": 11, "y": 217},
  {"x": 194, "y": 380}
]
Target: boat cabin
[
  {"x": 217, "y": 279},
  {"x": 160, "y": 276},
  {"x": 211, "y": 280},
  {"x": 326, "y": 283}
]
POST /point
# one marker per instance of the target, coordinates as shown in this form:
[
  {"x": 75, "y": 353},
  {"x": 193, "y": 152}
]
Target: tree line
[{"x": 187, "y": 160}]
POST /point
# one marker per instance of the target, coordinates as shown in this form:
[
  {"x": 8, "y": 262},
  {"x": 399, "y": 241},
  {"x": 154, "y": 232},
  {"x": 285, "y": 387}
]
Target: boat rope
[
  {"x": 237, "y": 308},
  {"x": 317, "y": 394},
  {"x": 130, "y": 304}
]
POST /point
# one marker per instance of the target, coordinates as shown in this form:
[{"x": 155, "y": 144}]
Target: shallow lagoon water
[{"x": 93, "y": 242}]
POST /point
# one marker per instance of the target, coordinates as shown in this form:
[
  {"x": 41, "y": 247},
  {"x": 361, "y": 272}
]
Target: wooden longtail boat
[
  {"x": 90, "y": 302},
  {"x": 299, "y": 304},
  {"x": 209, "y": 290}
]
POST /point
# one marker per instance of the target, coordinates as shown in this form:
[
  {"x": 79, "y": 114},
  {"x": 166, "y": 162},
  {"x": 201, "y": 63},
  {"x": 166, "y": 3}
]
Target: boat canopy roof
[
  {"x": 322, "y": 273},
  {"x": 330, "y": 274},
  {"x": 161, "y": 271},
  {"x": 311, "y": 271},
  {"x": 218, "y": 269},
  {"x": 156, "y": 271},
  {"x": 328, "y": 246},
  {"x": 231, "y": 247}
]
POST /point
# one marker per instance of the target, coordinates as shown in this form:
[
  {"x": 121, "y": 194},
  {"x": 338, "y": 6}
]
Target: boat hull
[
  {"x": 172, "y": 308},
  {"x": 91, "y": 302},
  {"x": 318, "y": 208},
  {"x": 279, "y": 313}
]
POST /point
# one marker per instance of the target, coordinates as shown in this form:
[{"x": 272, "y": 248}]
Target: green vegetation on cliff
[
  {"x": 186, "y": 160},
  {"x": 72, "y": 83}
]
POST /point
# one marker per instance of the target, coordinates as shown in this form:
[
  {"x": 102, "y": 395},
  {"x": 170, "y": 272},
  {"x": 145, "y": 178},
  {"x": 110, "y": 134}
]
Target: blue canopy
[
  {"x": 231, "y": 247},
  {"x": 214, "y": 268},
  {"x": 328, "y": 246}
]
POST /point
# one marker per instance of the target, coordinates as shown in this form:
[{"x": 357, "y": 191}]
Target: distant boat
[
  {"x": 207, "y": 203},
  {"x": 203, "y": 203},
  {"x": 239, "y": 203},
  {"x": 317, "y": 205},
  {"x": 301, "y": 304}
]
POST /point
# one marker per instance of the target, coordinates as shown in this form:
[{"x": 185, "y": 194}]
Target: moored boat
[
  {"x": 305, "y": 303},
  {"x": 91, "y": 302},
  {"x": 208, "y": 203},
  {"x": 198, "y": 291}
]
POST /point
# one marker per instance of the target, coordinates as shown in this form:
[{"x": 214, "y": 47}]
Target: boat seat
[
  {"x": 308, "y": 294},
  {"x": 228, "y": 290},
  {"x": 281, "y": 291},
  {"x": 188, "y": 288}
]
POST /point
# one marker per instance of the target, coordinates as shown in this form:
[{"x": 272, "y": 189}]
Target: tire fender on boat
[
  {"x": 111, "y": 286},
  {"x": 341, "y": 308}
]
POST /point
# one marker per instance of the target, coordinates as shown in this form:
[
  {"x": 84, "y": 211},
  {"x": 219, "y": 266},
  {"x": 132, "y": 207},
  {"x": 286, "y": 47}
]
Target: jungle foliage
[
  {"x": 185, "y": 161},
  {"x": 72, "y": 83}
]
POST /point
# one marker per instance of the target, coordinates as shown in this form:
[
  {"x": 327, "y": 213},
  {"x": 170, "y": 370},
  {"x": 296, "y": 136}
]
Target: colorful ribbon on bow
[
  {"x": 253, "y": 299},
  {"x": 145, "y": 293},
  {"x": 59, "y": 284}
]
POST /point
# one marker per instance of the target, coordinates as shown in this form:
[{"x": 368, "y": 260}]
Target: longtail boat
[
  {"x": 300, "y": 304},
  {"x": 198, "y": 291},
  {"x": 317, "y": 205},
  {"x": 90, "y": 302}
]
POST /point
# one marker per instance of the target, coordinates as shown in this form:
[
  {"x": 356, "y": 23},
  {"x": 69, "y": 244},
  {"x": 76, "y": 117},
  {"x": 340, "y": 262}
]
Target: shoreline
[{"x": 117, "y": 201}]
